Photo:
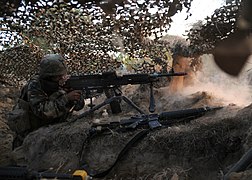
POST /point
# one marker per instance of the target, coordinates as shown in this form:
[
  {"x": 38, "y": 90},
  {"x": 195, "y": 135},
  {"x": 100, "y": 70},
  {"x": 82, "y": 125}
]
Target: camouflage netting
[
  {"x": 91, "y": 34},
  {"x": 88, "y": 35},
  {"x": 204, "y": 36},
  {"x": 135, "y": 19},
  {"x": 19, "y": 63}
]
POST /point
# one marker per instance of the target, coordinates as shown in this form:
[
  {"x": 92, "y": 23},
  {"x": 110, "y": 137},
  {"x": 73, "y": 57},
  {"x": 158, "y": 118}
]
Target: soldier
[{"x": 43, "y": 101}]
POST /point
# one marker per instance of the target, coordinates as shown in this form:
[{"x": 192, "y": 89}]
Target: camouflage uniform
[
  {"x": 42, "y": 101},
  {"x": 45, "y": 107}
]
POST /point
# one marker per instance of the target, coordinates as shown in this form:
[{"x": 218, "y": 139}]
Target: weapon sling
[{"x": 132, "y": 142}]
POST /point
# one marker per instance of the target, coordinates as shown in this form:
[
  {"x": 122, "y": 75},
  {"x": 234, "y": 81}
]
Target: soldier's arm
[{"x": 46, "y": 107}]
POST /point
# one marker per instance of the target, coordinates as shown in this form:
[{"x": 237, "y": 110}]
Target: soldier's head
[{"x": 53, "y": 68}]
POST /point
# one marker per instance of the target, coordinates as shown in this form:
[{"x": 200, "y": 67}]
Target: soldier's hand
[{"x": 74, "y": 95}]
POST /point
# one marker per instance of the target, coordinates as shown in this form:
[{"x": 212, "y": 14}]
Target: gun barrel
[
  {"x": 106, "y": 80},
  {"x": 169, "y": 74},
  {"x": 186, "y": 113}
]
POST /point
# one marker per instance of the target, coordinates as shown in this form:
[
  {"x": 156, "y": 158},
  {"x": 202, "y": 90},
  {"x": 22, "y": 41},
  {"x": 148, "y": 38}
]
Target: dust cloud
[{"x": 229, "y": 89}]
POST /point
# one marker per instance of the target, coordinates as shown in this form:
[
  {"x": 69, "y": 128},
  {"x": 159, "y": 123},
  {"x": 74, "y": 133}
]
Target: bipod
[{"x": 106, "y": 102}]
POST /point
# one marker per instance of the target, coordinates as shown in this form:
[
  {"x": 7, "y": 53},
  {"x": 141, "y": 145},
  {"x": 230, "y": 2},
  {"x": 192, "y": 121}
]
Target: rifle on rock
[{"x": 153, "y": 121}]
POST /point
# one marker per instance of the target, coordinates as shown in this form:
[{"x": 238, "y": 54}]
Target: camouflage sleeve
[{"x": 48, "y": 108}]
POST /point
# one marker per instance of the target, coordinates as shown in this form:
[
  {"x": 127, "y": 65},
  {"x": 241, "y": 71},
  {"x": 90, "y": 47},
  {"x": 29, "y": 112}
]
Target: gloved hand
[
  {"x": 74, "y": 95},
  {"x": 78, "y": 105}
]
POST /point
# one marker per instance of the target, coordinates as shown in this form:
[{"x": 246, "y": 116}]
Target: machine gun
[{"x": 109, "y": 82}]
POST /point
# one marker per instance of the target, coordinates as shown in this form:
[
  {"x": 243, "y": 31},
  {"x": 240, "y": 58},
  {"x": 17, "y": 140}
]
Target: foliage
[{"x": 203, "y": 37}]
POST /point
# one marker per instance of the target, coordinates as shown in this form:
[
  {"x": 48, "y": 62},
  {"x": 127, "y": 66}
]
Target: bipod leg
[
  {"x": 128, "y": 101},
  {"x": 108, "y": 101},
  {"x": 152, "y": 105}
]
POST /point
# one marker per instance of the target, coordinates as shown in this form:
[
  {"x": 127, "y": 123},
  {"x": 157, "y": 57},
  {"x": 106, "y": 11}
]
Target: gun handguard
[
  {"x": 169, "y": 74},
  {"x": 99, "y": 82},
  {"x": 186, "y": 113}
]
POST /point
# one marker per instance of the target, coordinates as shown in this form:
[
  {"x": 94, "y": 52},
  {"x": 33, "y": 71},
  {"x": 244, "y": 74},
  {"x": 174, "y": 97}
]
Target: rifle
[
  {"x": 153, "y": 121},
  {"x": 109, "y": 82},
  {"x": 22, "y": 173}
]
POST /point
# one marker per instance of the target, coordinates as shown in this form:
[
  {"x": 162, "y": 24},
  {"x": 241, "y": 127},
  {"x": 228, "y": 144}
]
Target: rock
[
  {"x": 9, "y": 100},
  {"x": 246, "y": 175},
  {"x": 6, "y": 139}
]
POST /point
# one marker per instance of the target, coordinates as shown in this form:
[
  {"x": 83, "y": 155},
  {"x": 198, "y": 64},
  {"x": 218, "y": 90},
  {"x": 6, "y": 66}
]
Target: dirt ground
[
  {"x": 7, "y": 99},
  {"x": 202, "y": 149}
]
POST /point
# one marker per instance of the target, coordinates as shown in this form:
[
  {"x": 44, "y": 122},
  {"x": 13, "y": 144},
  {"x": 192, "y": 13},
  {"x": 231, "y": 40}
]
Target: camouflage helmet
[{"x": 52, "y": 65}]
